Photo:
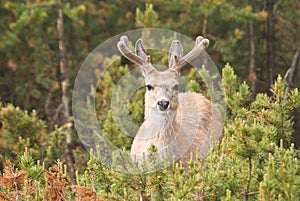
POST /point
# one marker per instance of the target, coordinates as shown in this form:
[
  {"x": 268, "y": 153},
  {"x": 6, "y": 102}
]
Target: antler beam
[
  {"x": 200, "y": 45},
  {"x": 125, "y": 51}
]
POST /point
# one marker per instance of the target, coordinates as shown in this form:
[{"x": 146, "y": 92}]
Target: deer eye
[
  {"x": 176, "y": 87},
  {"x": 149, "y": 87}
]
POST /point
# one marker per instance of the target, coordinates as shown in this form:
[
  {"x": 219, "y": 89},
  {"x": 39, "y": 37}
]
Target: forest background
[{"x": 44, "y": 43}]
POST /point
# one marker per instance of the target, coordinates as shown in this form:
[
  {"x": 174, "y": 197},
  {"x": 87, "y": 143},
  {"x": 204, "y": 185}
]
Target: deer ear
[
  {"x": 139, "y": 49},
  {"x": 175, "y": 53}
]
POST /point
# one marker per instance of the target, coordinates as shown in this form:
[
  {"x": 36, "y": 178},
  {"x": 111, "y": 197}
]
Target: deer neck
[{"x": 162, "y": 125}]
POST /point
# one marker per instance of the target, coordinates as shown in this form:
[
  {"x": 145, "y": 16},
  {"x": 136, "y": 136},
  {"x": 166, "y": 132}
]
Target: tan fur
[
  {"x": 196, "y": 125},
  {"x": 190, "y": 123}
]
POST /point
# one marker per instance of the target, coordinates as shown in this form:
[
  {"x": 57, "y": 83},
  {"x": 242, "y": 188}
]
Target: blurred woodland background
[
  {"x": 259, "y": 38},
  {"x": 43, "y": 44}
]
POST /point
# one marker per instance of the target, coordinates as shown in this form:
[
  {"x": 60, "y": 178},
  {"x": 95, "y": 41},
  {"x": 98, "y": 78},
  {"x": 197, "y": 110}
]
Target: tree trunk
[
  {"x": 289, "y": 78},
  {"x": 65, "y": 87},
  {"x": 252, "y": 70},
  {"x": 291, "y": 72},
  {"x": 271, "y": 40},
  {"x": 63, "y": 63}
]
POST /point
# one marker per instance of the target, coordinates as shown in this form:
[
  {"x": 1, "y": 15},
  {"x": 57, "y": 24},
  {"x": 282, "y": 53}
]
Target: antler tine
[
  {"x": 125, "y": 51},
  {"x": 200, "y": 45}
]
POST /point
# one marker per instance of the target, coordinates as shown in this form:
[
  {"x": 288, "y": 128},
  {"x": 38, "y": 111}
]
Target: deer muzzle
[{"x": 163, "y": 105}]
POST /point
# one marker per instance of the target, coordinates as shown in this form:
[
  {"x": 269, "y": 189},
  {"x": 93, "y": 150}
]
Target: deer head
[{"x": 162, "y": 86}]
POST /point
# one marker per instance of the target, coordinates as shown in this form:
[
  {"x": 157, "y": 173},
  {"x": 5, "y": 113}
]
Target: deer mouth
[{"x": 164, "y": 112}]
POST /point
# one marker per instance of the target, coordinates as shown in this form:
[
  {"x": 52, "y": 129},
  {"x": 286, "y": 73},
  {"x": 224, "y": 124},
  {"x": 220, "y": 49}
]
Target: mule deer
[{"x": 175, "y": 123}]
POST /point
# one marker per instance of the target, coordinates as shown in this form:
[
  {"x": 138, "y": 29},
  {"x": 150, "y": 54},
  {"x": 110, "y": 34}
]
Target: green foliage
[
  {"x": 19, "y": 130},
  {"x": 236, "y": 167},
  {"x": 147, "y": 19},
  {"x": 254, "y": 160},
  {"x": 105, "y": 89},
  {"x": 29, "y": 46},
  {"x": 28, "y": 164},
  {"x": 279, "y": 181},
  {"x": 137, "y": 107}
]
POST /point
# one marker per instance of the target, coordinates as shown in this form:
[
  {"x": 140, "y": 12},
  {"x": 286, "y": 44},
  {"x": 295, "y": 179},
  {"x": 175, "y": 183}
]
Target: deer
[{"x": 177, "y": 124}]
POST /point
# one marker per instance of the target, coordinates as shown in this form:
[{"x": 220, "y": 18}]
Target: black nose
[{"x": 163, "y": 105}]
